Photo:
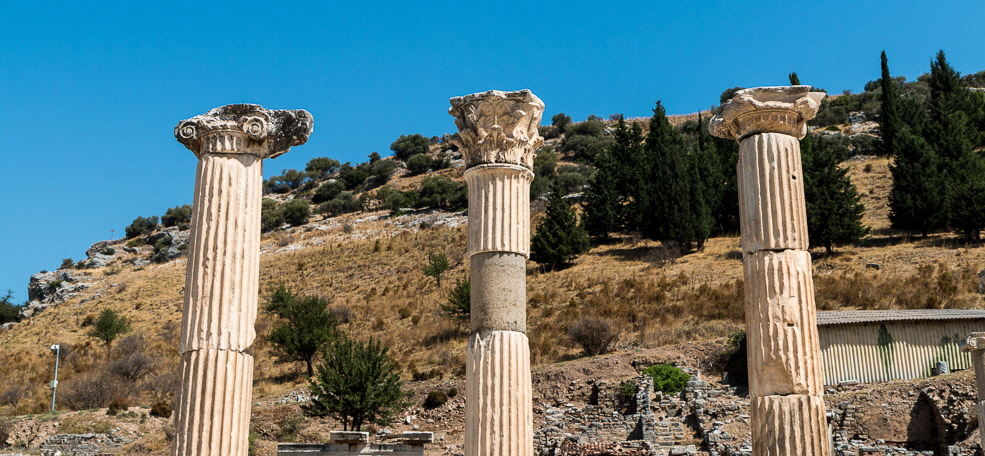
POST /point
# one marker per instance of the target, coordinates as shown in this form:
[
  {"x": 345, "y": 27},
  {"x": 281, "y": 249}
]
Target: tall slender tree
[
  {"x": 834, "y": 209},
  {"x": 559, "y": 238},
  {"x": 890, "y": 123}
]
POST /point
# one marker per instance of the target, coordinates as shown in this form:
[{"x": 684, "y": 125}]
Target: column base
[
  {"x": 213, "y": 413},
  {"x": 792, "y": 425},
  {"x": 499, "y": 404}
]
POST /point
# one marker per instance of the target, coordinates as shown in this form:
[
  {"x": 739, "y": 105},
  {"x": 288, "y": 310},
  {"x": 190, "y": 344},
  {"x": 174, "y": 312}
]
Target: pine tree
[
  {"x": 678, "y": 212},
  {"x": 890, "y": 123},
  {"x": 917, "y": 197},
  {"x": 559, "y": 238},
  {"x": 632, "y": 182},
  {"x": 601, "y": 215},
  {"x": 834, "y": 210}
]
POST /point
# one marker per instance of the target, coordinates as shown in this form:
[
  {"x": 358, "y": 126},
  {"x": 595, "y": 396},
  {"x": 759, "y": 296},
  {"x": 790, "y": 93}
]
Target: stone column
[
  {"x": 975, "y": 344},
  {"x": 498, "y": 138},
  {"x": 785, "y": 384},
  {"x": 222, "y": 278}
]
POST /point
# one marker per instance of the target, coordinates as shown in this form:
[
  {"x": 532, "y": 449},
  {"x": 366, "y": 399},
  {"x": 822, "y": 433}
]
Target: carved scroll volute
[
  {"x": 780, "y": 109},
  {"x": 245, "y": 129},
  {"x": 498, "y": 127}
]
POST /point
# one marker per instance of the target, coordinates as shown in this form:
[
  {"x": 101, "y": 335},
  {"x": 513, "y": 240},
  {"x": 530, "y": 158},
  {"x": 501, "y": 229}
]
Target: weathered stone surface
[
  {"x": 245, "y": 129},
  {"x": 499, "y": 209},
  {"x": 785, "y": 381},
  {"x": 779, "y": 109},
  {"x": 772, "y": 211},
  {"x": 498, "y": 127},
  {"x": 212, "y": 416},
  {"x": 789, "y": 425},
  {"x": 781, "y": 324},
  {"x": 499, "y": 408},
  {"x": 498, "y": 304},
  {"x": 975, "y": 344},
  {"x": 222, "y": 280}
]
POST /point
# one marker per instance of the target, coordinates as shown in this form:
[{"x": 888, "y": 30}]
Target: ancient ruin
[
  {"x": 785, "y": 383},
  {"x": 222, "y": 280},
  {"x": 498, "y": 138},
  {"x": 975, "y": 344}
]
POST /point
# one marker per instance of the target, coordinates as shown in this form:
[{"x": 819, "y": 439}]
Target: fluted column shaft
[
  {"x": 212, "y": 415},
  {"x": 975, "y": 345},
  {"x": 787, "y": 415},
  {"x": 499, "y": 134}
]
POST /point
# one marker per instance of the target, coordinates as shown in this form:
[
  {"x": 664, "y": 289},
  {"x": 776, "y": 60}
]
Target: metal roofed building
[{"x": 881, "y": 345}]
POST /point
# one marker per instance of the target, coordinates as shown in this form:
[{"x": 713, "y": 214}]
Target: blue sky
[{"x": 90, "y": 93}]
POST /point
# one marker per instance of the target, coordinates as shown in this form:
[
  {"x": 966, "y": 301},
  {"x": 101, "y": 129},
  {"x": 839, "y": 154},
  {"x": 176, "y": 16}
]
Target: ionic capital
[
  {"x": 498, "y": 127},
  {"x": 780, "y": 109},
  {"x": 974, "y": 342},
  {"x": 245, "y": 129}
]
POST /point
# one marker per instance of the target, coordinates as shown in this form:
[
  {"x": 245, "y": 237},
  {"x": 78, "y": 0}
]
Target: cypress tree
[
  {"x": 559, "y": 238},
  {"x": 916, "y": 200},
  {"x": 601, "y": 215},
  {"x": 890, "y": 123},
  {"x": 834, "y": 210},
  {"x": 632, "y": 182},
  {"x": 678, "y": 211},
  {"x": 794, "y": 79}
]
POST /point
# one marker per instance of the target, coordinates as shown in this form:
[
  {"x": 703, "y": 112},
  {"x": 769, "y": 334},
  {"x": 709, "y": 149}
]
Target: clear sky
[{"x": 90, "y": 92}]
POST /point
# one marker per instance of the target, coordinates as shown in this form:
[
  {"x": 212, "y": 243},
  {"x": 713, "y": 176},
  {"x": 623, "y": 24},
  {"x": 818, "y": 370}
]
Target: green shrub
[
  {"x": 459, "y": 305},
  {"x": 435, "y": 399},
  {"x": 442, "y": 192},
  {"x": 141, "y": 226},
  {"x": 161, "y": 248},
  {"x": 67, "y": 263},
  {"x": 327, "y": 192},
  {"x": 345, "y": 203},
  {"x": 321, "y": 166},
  {"x": 382, "y": 170},
  {"x": 8, "y": 311},
  {"x": 667, "y": 378},
  {"x": 109, "y": 325},
  {"x": 296, "y": 211},
  {"x": 418, "y": 164},
  {"x": 177, "y": 216},
  {"x": 627, "y": 391},
  {"x": 353, "y": 178},
  {"x": 271, "y": 217},
  {"x": 407, "y": 146}
]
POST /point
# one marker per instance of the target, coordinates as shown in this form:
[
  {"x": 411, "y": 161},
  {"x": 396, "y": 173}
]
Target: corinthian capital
[
  {"x": 781, "y": 109},
  {"x": 498, "y": 127},
  {"x": 245, "y": 129}
]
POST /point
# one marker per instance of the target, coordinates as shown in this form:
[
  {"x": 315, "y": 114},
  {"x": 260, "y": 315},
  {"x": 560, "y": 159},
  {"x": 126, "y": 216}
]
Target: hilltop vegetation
[{"x": 353, "y": 240}]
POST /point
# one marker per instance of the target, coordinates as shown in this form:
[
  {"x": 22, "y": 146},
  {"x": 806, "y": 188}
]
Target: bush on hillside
[
  {"x": 327, "y": 192},
  {"x": 141, "y": 226},
  {"x": 435, "y": 399},
  {"x": 442, "y": 192},
  {"x": 345, "y": 203},
  {"x": 419, "y": 164},
  {"x": 321, "y": 167},
  {"x": 667, "y": 378},
  {"x": 353, "y": 178},
  {"x": 109, "y": 326},
  {"x": 271, "y": 217},
  {"x": 177, "y": 216},
  {"x": 594, "y": 334},
  {"x": 407, "y": 146},
  {"x": 459, "y": 303},
  {"x": 381, "y": 170},
  {"x": 296, "y": 211}
]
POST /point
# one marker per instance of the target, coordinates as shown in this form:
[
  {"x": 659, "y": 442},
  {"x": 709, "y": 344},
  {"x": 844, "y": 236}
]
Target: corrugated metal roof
[{"x": 840, "y": 317}]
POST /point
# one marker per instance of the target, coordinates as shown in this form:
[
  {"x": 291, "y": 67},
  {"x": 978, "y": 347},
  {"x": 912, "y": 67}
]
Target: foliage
[
  {"x": 794, "y": 79},
  {"x": 667, "y": 378},
  {"x": 381, "y": 170},
  {"x": 296, "y": 211},
  {"x": 545, "y": 168},
  {"x": 407, "y": 146},
  {"x": 8, "y": 310},
  {"x": 890, "y": 123},
  {"x": 321, "y": 167},
  {"x": 560, "y": 121},
  {"x": 327, "y": 192},
  {"x": 353, "y": 178},
  {"x": 109, "y": 326},
  {"x": 601, "y": 200},
  {"x": 345, "y": 203},
  {"x": 271, "y": 216},
  {"x": 141, "y": 226},
  {"x": 584, "y": 144},
  {"x": 678, "y": 212},
  {"x": 459, "y": 304},
  {"x": 834, "y": 208},
  {"x": 442, "y": 192},
  {"x": 595, "y": 334},
  {"x": 287, "y": 181},
  {"x": 418, "y": 164},
  {"x": 357, "y": 383},
  {"x": 436, "y": 266},
  {"x": 177, "y": 216},
  {"x": 162, "y": 248},
  {"x": 161, "y": 409},
  {"x": 435, "y": 399},
  {"x": 308, "y": 326},
  {"x": 559, "y": 238},
  {"x": 394, "y": 200}
]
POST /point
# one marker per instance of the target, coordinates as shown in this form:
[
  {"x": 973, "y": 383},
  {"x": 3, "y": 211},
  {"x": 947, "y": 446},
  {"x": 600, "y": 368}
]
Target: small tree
[
  {"x": 357, "y": 383},
  {"x": 296, "y": 211},
  {"x": 834, "y": 209},
  {"x": 437, "y": 265},
  {"x": 321, "y": 166},
  {"x": 109, "y": 326},
  {"x": 8, "y": 310},
  {"x": 418, "y": 164},
  {"x": 271, "y": 216},
  {"x": 459, "y": 305},
  {"x": 560, "y": 121},
  {"x": 308, "y": 326},
  {"x": 141, "y": 226},
  {"x": 177, "y": 216},
  {"x": 559, "y": 238},
  {"x": 407, "y": 146},
  {"x": 667, "y": 378}
]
